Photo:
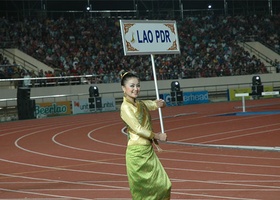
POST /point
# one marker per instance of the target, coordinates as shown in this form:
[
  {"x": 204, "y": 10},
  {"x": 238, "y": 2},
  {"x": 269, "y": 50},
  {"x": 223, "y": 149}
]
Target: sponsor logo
[
  {"x": 80, "y": 105},
  {"x": 193, "y": 97},
  {"x": 52, "y": 109},
  {"x": 108, "y": 104},
  {"x": 189, "y": 97}
]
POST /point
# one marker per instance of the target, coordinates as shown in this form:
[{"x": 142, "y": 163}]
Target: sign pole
[{"x": 157, "y": 94}]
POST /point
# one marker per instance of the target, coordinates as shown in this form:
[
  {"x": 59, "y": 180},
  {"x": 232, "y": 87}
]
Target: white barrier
[{"x": 243, "y": 95}]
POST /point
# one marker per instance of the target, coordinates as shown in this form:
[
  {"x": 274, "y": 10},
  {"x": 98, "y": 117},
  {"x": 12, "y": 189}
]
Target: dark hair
[{"x": 127, "y": 75}]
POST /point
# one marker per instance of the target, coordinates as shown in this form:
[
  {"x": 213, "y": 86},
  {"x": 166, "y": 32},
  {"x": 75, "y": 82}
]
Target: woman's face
[{"x": 131, "y": 88}]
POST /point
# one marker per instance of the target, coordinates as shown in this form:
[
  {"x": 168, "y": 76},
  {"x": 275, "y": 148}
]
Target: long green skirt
[{"x": 146, "y": 175}]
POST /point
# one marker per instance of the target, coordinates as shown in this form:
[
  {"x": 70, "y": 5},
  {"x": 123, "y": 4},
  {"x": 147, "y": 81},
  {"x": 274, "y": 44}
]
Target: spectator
[
  {"x": 208, "y": 45},
  {"x": 26, "y": 79}
]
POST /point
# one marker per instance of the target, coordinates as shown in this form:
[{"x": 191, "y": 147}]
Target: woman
[{"x": 146, "y": 175}]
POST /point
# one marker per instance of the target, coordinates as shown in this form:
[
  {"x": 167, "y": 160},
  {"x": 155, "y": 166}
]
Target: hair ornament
[{"x": 124, "y": 74}]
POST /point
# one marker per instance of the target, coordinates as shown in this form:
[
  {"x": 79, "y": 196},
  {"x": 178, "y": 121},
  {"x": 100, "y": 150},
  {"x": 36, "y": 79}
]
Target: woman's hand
[
  {"x": 160, "y": 103},
  {"x": 161, "y": 136}
]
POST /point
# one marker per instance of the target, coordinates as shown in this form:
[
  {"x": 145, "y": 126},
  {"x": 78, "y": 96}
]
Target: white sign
[
  {"x": 82, "y": 106},
  {"x": 108, "y": 104},
  {"x": 142, "y": 37}
]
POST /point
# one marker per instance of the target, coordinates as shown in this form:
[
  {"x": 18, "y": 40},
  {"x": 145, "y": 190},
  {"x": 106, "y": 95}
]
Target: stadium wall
[{"x": 148, "y": 87}]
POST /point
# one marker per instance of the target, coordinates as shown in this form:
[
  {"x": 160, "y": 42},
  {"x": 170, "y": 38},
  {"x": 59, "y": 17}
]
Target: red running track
[{"x": 83, "y": 156}]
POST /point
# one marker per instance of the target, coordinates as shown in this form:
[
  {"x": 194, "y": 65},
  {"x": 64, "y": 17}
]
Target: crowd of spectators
[
  {"x": 209, "y": 47},
  {"x": 8, "y": 69}
]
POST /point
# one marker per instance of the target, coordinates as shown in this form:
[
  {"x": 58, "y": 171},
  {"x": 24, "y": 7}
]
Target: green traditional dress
[{"x": 146, "y": 175}]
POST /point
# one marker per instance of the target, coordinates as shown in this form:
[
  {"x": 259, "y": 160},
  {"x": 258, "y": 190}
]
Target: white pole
[
  {"x": 157, "y": 94},
  {"x": 243, "y": 103}
]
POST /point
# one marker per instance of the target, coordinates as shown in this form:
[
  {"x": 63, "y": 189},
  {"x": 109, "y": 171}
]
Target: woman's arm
[{"x": 128, "y": 116}]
